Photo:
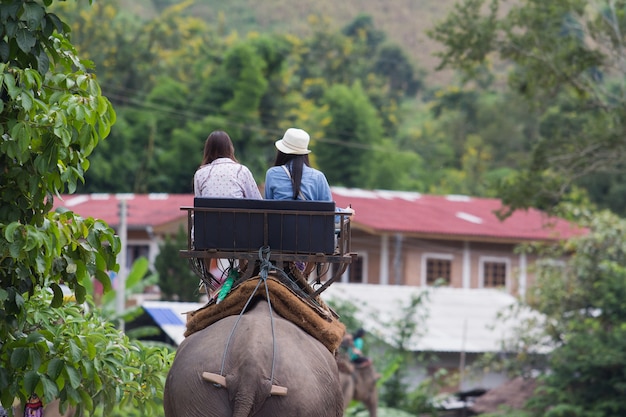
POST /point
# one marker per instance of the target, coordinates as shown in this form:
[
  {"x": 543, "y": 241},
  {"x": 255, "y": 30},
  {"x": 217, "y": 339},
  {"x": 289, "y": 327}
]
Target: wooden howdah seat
[{"x": 286, "y": 230}]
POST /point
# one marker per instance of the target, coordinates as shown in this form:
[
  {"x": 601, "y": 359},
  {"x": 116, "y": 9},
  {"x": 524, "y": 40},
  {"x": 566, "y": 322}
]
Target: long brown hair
[
  {"x": 295, "y": 164},
  {"x": 218, "y": 145}
]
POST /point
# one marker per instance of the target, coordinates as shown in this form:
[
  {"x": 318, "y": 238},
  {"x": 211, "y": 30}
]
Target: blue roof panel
[{"x": 164, "y": 316}]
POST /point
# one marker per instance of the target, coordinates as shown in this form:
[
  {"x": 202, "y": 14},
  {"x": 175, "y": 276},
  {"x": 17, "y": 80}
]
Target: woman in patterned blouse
[{"x": 220, "y": 174}]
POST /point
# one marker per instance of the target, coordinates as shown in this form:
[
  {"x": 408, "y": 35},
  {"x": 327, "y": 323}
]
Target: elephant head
[
  {"x": 254, "y": 364},
  {"x": 358, "y": 383}
]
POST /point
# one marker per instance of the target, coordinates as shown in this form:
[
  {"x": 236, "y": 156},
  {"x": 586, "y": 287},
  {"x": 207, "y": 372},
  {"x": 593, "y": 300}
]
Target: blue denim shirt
[{"x": 314, "y": 185}]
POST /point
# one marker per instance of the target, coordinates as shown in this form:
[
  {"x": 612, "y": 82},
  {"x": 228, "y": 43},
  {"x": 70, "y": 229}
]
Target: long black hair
[
  {"x": 359, "y": 333},
  {"x": 295, "y": 165}
]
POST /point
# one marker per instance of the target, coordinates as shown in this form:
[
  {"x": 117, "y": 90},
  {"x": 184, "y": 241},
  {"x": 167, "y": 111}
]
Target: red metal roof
[
  {"x": 377, "y": 211},
  {"x": 452, "y": 216},
  {"x": 142, "y": 209}
]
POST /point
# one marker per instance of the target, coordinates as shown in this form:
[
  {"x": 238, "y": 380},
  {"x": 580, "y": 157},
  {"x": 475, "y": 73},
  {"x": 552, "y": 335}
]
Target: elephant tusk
[
  {"x": 216, "y": 379},
  {"x": 278, "y": 390}
]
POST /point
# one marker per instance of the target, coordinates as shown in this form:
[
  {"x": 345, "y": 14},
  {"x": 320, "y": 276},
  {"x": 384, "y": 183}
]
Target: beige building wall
[
  {"x": 467, "y": 259},
  {"x": 406, "y": 258}
]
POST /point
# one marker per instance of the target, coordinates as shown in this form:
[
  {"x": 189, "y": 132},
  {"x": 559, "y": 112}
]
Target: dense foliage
[
  {"x": 575, "y": 345},
  {"x": 52, "y": 116},
  {"x": 374, "y": 122},
  {"x": 567, "y": 61},
  {"x": 552, "y": 129},
  {"x": 74, "y": 354},
  {"x": 351, "y": 88}
]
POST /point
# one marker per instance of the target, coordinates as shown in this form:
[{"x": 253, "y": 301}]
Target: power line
[{"x": 185, "y": 115}]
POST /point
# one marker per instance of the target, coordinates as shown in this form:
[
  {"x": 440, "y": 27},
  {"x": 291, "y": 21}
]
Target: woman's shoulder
[
  {"x": 274, "y": 170},
  {"x": 203, "y": 168},
  {"x": 313, "y": 172}
]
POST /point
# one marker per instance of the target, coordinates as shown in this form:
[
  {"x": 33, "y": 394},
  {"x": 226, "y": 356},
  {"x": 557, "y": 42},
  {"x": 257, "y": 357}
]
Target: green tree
[
  {"x": 394, "y": 168},
  {"x": 409, "y": 326},
  {"x": 191, "y": 78},
  {"x": 567, "y": 61},
  {"x": 239, "y": 94},
  {"x": 578, "y": 338},
  {"x": 52, "y": 117},
  {"x": 177, "y": 281},
  {"x": 123, "y": 162},
  {"x": 76, "y": 354},
  {"x": 131, "y": 53},
  {"x": 352, "y": 130},
  {"x": 153, "y": 92},
  {"x": 393, "y": 64},
  {"x": 357, "y": 54}
]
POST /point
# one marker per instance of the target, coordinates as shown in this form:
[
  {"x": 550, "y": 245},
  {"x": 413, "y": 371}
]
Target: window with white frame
[
  {"x": 494, "y": 271},
  {"x": 436, "y": 268}
]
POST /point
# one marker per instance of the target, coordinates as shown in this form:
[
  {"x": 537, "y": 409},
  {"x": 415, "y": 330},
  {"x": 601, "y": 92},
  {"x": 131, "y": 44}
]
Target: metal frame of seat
[{"x": 340, "y": 256}]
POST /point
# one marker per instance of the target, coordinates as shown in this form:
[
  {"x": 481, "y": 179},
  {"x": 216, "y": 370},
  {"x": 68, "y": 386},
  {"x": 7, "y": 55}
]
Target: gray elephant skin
[
  {"x": 359, "y": 384},
  {"x": 301, "y": 364}
]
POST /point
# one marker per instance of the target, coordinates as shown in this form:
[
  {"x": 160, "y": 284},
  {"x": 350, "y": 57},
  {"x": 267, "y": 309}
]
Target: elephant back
[{"x": 315, "y": 318}]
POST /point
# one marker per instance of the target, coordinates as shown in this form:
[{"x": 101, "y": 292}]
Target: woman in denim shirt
[{"x": 291, "y": 177}]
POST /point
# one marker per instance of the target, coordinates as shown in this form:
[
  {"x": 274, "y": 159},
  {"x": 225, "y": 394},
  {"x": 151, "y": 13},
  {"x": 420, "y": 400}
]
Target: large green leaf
[
  {"x": 25, "y": 39},
  {"x": 137, "y": 271},
  {"x": 33, "y": 15},
  {"x": 50, "y": 389},
  {"x": 31, "y": 379},
  {"x": 55, "y": 366},
  {"x": 19, "y": 357}
]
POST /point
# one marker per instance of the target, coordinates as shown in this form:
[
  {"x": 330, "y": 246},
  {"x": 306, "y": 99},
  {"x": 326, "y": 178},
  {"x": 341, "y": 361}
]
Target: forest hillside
[{"x": 404, "y": 21}]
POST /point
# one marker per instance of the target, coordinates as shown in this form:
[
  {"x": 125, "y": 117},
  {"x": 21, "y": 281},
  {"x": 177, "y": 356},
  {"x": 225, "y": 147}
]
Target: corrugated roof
[
  {"x": 163, "y": 315},
  {"x": 378, "y": 211},
  {"x": 458, "y": 319},
  {"x": 142, "y": 209},
  {"x": 170, "y": 316},
  {"x": 453, "y": 215}
]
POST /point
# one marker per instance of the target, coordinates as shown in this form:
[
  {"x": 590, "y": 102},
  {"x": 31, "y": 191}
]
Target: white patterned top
[{"x": 225, "y": 178}]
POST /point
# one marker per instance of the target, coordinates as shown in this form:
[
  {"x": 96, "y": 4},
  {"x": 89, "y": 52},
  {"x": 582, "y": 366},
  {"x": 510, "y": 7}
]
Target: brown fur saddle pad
[{"x": 320, "y": 322}]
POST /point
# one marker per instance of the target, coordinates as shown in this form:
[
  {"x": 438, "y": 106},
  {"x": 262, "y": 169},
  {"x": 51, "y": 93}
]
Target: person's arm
[
  {"x": 325, "y": 194},
  {"x": 323, "y": 189},
  {"x": 269, "y": 179},
  {"x": 196, "y": 185},
  {"x": 249, "y": 186}
]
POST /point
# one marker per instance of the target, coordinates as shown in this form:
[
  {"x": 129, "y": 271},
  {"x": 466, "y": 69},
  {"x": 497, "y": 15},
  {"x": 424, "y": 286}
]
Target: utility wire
[{"x": 186, "y": 115}]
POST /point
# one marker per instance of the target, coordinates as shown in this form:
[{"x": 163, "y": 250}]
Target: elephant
[
  {"x": 226, "y": 369},
  {"x": 358, "y": 383}
]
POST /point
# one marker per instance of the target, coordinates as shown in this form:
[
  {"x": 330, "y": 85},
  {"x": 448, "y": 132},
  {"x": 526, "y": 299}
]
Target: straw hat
[{"x": 294, "y": 141}]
